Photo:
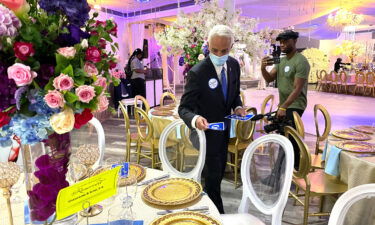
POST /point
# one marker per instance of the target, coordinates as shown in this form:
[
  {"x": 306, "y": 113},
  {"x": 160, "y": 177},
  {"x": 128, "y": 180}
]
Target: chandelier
[{"x": 343, "y": 18}]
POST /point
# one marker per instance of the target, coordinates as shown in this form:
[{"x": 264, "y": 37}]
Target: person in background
[
  {"x": 337, "y": 65},
  {"x": 212, "y": 92},
  {"x": 138, "y": 73}
]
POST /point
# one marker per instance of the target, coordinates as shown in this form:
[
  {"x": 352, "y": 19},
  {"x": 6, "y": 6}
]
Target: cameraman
[{"x": 291, "y": 76}]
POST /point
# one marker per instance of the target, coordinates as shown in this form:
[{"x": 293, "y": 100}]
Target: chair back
[
  {"x": 335, "y": 77},
  {"x": 141, "y": 117},
  {"x": 245, "y": 129},
  {"x": 101, "y": 140},
  {"x": 370, "y": 79},
  {"x": 173, "y": 128},
  {"x": 269, "y": 100},
  {"x": 343, "y": 77},
  {"x": 323, "y": 75},
  {"x": 250, "y": 188},
  {"x": 127, "y": 128},
  {"x": 167, "y": 95},
  {"x": 360, "y": 78},
  {"x": 318, "y": 76},
  {"x": 144, "y": 101},
  {"x": 346, "y": 200},
  {"x": 299, "y": 124},
  {"x": 327, "y": 122},
  {"x": 329, "y": 76},
  {"x": 305, "y": 157}
]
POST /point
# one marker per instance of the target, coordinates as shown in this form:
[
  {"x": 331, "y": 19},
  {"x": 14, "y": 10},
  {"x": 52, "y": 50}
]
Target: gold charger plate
[
  {"x": 351, "y": 135},
  {"x": 365, "y": 129},
  {"x": 164, "y": 108},
  {"x": 162, "y": 113},
  {"x": 356, "y": 146},
  {"x": 140, "y": 170},
  {"x": 172, "y": 191},
  {"x": 185, "y": 218}
]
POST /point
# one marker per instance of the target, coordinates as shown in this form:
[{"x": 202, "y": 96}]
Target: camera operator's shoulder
[{"x": 302, "y": 58}]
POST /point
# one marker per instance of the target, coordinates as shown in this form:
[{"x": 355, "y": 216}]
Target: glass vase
[{"x": 46, "y": 166}]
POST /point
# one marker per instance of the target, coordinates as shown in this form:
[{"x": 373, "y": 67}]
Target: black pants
[
  {"x": 138, "y": 87},
  {"x": 214, "y": 167},
  {"x": 289, "y": 116}
]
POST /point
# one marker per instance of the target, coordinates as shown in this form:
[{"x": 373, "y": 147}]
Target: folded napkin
[
  {"x": 333, "y": 161},
  {"x": 122, "y": 222}
]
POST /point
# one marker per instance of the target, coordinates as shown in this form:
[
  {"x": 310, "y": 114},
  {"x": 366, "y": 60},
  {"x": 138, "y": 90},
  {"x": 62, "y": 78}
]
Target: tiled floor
[{"x": 345, "y": 111}]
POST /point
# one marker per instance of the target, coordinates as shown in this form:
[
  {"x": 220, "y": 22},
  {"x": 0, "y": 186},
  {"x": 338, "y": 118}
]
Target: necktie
[{"x": 224, "y": 83}]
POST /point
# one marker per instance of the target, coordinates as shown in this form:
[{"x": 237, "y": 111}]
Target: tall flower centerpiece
[
  {"x": 318, "y": 61},
  {"x": 350, "y": 49},
  {"x": 54, "y": 70},
  {"x": 190, "y": 31}
]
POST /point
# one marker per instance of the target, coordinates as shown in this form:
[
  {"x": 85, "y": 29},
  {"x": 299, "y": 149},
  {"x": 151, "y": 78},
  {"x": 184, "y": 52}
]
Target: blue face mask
[{"x": 218, "y": 61}]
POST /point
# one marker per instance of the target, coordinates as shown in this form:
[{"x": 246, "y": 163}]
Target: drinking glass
[
  {"x": 128, "y": 195},
  {"x": 119, "y": 216}
]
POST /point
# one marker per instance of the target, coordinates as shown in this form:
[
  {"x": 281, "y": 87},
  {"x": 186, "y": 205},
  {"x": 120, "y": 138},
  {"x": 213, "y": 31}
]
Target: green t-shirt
[{"x": 287, "y": 70}]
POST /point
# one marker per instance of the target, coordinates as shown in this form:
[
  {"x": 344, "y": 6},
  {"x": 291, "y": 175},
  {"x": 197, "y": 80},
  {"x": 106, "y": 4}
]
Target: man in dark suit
[{"x": 212, "y": 91}]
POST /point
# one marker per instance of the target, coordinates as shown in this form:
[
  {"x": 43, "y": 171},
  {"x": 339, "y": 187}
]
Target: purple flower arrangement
[{"x": 54, "y": 74}]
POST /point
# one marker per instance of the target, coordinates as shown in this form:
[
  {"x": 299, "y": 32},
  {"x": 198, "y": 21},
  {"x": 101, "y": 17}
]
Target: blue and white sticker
[
  {"x": 124, "y": 171},
  {"x": 213, "y": 83},
  {"x": 216, "y": 126}
]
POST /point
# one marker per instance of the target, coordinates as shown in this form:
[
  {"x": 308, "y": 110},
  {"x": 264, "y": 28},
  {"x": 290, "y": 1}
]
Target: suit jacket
[{"x": 201, "y": 99}]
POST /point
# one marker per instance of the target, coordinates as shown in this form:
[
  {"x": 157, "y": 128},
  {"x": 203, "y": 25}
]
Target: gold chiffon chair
[
  {"x": 131, "y": 138},
  {"x": 336, "y": 82},
  {"x": 144, "y": 101},
  {"x": 319, "y": 146},
  {"x": 370, "y": 84},
  {"x": 313, "y": 184},
  {"x": 269, "y": 100},
  {"x": 360, "y": 80},
  {"x": 316, "y": 160},
  {"x": 237, "y": 146},
  {"x": 187, "y": 149},
  {"x": 346, "y": 82},
  {"x": 168, "y": 95},
  {"x": 147, "y": 140}
]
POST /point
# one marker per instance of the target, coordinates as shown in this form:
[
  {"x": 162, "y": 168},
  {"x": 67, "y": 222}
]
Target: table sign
[
  {"x": 92, "y": 190},
  {"x": 242, "y": 118},
  {"x": 216, "y": 126}
]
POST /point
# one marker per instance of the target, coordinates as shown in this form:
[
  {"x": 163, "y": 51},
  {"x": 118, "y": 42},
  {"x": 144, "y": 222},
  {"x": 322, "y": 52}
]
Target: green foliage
[{"x": 192, "y": 53}]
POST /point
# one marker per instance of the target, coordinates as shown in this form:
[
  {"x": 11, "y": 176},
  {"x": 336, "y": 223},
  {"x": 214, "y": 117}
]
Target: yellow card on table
[{"x": 71, "y": 199}]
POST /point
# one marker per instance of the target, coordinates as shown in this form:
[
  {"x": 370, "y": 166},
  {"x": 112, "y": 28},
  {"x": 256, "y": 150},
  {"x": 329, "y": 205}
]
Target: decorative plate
[
  {"x": 351, "y": 135},
  {"x": 164, "y": 108},
  {"x": 141, "y": 173},
  {"x": 172, "y": 191},
  {"x": 162, "y": 113},
  {"x": 356, "y": 146},
  {"x": 364, "y": 129},
  {"x": 185, "y": 218}
]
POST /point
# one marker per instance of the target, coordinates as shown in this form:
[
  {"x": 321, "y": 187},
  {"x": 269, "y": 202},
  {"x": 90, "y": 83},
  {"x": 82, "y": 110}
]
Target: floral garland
[{"x": 318, "y": 61}]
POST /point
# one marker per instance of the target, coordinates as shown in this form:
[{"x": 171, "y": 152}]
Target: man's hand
[
  {"x": 266, "y": 62},
  {"x": 201, "y": 123},
  {"x": 240, "y": 112},
  {"x": 281, "y": 113}
]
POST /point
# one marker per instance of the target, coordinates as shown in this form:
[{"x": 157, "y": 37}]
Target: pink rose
[
  {"x": 85, "y": 93},
  {"x": 90, "y": 69},
  {"x": 103, "y": 103},
  {"x": 101, "y": 81},
  {"x": 93, "y": 54},
  {"x": 21, "y": 74},
  {"x": 116, "y": 74},
  {"x": 63, "y": 82},
  {"x": 54, "y": 99},
  {"x": 67, "y": 52}
]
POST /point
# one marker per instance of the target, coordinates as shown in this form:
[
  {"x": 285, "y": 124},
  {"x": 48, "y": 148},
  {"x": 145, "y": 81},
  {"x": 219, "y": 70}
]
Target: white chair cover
[
  {"x": 249, "y": 193},
  {"x": 101, "y": 140},
  {"x": 346, "y": 200},
  {"x": 166, "y": 165}
]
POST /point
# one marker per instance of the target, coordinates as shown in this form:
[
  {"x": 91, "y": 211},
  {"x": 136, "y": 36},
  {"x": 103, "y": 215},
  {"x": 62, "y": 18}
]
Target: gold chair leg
[
  {"x": 321, "y": 203},
  {"x": 127, "y": 154},
  {"x": 295, "y": 200},
  {"x": 152, "y": 157},
  {"x": 235, "y": 168},
  {"x": 306, "y": 208},
  {"x": 138, "y": 152}
]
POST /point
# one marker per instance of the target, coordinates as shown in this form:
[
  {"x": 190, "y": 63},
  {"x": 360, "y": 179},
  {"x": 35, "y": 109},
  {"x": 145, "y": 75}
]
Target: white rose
[
  {"x": 84, "y": 43},
  {"x": 200, "y": 57}
]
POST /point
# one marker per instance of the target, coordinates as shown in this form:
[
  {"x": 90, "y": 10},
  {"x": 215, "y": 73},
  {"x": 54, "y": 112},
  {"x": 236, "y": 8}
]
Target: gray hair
[{"x": 221, "y": 31}]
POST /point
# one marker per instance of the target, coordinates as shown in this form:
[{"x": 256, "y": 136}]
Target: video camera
[{"x": 277, "y": 124}]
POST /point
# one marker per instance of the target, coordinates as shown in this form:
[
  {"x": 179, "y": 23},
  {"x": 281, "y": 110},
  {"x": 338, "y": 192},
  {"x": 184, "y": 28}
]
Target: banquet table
[
  {"x": 143, "y": 211},
  {"x": 353, "y": 169}
]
